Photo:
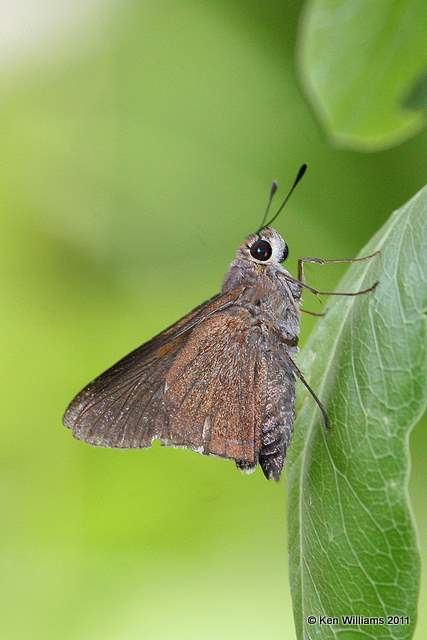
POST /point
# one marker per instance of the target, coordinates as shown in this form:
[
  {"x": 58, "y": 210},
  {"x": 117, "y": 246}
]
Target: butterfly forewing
[{"x": 126, "y": 406}]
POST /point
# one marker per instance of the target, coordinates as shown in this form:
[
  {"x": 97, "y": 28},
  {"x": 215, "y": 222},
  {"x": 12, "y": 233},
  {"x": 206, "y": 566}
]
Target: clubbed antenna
[
  {"x": 273, "y": 189},
  {"x": 300, "y": 174}
]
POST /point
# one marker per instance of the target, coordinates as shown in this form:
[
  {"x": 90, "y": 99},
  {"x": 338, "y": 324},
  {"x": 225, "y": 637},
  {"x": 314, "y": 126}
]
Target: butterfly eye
[
  {"x": 261, "y": 250},
  {"x": 284, "y": 254}
]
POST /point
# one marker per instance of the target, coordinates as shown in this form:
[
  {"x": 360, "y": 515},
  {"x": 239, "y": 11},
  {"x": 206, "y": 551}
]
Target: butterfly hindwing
[{"x": 215, "y": 388}]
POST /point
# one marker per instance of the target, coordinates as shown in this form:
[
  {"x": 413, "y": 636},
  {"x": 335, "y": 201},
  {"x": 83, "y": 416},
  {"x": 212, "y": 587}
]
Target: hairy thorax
[{"x": 269, "y": 296}]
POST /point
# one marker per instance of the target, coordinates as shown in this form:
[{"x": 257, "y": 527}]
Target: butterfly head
[{"x": 265, "y": 247}]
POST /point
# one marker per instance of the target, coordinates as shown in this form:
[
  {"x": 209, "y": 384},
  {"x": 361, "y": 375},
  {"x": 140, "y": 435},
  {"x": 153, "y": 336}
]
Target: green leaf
[
  {"x": 352, "y": 541},
  {"x": 359, "y": 60},
  {"x": 417, "y": 97}
]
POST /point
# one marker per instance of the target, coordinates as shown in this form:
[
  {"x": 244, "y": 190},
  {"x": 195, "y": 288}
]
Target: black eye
[
  {"x": 261, "y": 250},
  {"x": 284, "y": 254}
]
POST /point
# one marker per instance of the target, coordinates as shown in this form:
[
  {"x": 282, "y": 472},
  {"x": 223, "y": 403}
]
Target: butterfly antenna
[
  {"x": 273, "y": 189},
  {"x": 300, "y": 174}
]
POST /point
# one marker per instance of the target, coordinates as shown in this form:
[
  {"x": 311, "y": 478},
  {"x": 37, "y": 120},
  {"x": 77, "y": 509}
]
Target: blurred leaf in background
[
  {"x": 417, "y": 96},
  {"x": 138, "y": 145},
  {"x": 359, "y": 61}
]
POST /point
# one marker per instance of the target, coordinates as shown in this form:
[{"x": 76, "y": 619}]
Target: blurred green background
[{"x": 138, "y": 142}]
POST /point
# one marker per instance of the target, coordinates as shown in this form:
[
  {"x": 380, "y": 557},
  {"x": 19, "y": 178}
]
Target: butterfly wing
[
  {"x": 173, "y": 389},
  {"x": 124, "y": 406},
  {"x": 218, "y": 382},
  {"x": 216, "y": 387}
]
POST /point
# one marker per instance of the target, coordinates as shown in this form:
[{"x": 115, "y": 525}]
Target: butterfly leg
[
  {"x": 301, "y": 275},
  {"x": 303, "y": 261},
  {"x": 313, "y": 313},
  {"x": 299, "y": 375}
]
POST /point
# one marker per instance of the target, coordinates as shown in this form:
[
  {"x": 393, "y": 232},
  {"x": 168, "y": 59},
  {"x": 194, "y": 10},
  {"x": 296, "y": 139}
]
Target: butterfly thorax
[{"x": 271, "y": 298}]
